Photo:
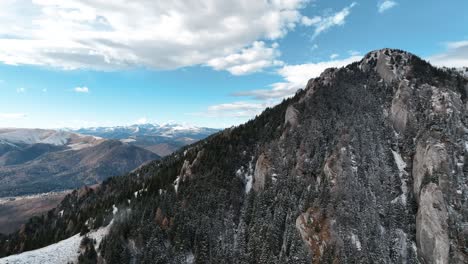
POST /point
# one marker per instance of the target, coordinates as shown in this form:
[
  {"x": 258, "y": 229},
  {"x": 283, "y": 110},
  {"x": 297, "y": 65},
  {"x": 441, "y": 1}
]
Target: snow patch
[
  {"x": 401, "y": 164},
  {"x": 127, "y": 140},
  {"x": 139, "y": 193},
  {"x": 246, "y": 176},
  {"x": 356, "y": 242},
  {"x": 400, "y": 242},
  {"x": 176, "y": 183},
  {"x": 64, "y": 251},
  {"x": 189, "y": 258},
  {"x": 354, "y": 165},
  {"x": 79, "y": 146},
  {"x": 399, "y": 161},
  {"x": 274, "y": 177}
]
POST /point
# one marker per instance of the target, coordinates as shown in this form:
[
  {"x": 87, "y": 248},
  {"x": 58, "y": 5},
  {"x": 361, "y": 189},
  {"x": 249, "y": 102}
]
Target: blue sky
[{"x": 207, "y": 63}]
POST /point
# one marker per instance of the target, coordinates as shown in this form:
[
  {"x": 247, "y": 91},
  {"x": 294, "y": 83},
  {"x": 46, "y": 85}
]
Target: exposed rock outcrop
[
  {"x": 291, "y": 116},
  {"x": 262, "y": 168},
  {"x": 432, "y": 227}
]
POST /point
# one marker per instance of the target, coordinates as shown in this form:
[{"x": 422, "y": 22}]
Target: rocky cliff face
[{"x": 367, "y": 164}]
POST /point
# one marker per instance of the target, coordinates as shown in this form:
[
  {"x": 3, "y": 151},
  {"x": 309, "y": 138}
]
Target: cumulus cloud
[
  {"x": 12, "y": 116},
  {"x": 383, "y": 6},
  {"x": 249, "y": 60},
  {"x": 306, "y": 21},
  {"x": 323, "y": 23},
  {"x": 167, "y": 34},
  {"x": 83, "y": 89},
  {"x": 455, "y": 55},
  {"x": 20, "y": 90},
  {"x": 296, "y": 77},
  {"x": 240, "y": 109}
]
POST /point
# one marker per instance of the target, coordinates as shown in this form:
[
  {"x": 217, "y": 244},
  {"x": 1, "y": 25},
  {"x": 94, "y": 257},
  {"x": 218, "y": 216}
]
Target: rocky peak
[{"x": 390, "y": 64}]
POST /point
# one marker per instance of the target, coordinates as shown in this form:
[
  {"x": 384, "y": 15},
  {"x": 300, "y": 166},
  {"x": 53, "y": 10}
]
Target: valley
[{"x": 15, "y": 211}]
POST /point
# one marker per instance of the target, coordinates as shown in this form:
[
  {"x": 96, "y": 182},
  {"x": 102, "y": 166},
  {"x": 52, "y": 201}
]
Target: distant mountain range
[
  {"x": 43, "y": 160},
  {"x": 161, "y": 139},
  {"x": 38, "y": 160}
]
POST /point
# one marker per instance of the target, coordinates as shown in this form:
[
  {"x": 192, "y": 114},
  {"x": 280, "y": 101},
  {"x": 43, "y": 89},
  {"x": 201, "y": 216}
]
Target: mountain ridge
[
  {"x": 38, "y": 160},
  {"x": 162, "y": 139},
  {"x": 366, "y": 164}
]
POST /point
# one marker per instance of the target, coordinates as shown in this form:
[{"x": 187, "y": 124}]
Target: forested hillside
[{"x": 367, "y": 164}]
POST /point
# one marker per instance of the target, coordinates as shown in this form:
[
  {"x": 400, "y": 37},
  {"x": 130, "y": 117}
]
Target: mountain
[
  {"x": 38, "y": 161},
  {"x": 160, "y": 139},
  {"x": 367, "y": 164}
]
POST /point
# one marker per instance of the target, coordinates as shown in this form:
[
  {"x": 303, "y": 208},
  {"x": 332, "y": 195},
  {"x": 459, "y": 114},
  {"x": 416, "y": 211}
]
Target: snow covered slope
[
  {"x": 65, "y": 251},
  {"x": 45, "y": 136}
]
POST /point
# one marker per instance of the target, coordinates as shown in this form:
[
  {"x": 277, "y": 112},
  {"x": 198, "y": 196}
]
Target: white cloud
[
  {"x": 167, "y": 34},
  {"x": 83, "y": 89},
  {"x": 249, "y": 60},
  {"x": 12, "y": 116},
  {"x": 455, "y": 55},
  {"x": 296, "y": 77},
  {"x": 240, "y": 109},
  {"x": 383, "y": 6},
  {"x": 334, "y": 56},
  {"x": 20, "y": 90},
  {"x": 324, "y": 23},
  {"x": 306, "y": 21}
]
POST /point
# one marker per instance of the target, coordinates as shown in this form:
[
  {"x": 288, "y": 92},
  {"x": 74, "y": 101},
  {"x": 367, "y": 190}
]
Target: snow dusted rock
[
  {"x": 391, "y": 65},
  {"x": 186, "y": 170},
  {"x": 262, "y": 168},
  {"x": 333, "y": 167},
  {"x": 429, "y": 158},
  {"x": 401, "y": 111},
  {"x": 431, "y": 222},
  {"x": 65, "y": 251},
  {"x": 291, "y": 116}
]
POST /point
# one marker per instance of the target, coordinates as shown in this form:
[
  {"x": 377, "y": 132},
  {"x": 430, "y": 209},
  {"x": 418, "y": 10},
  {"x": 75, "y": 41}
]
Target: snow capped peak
[
  {"x": 387, "y": 52},
  {"x": 170, "y": 129},
  {"x": 75, "y": 141}
]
